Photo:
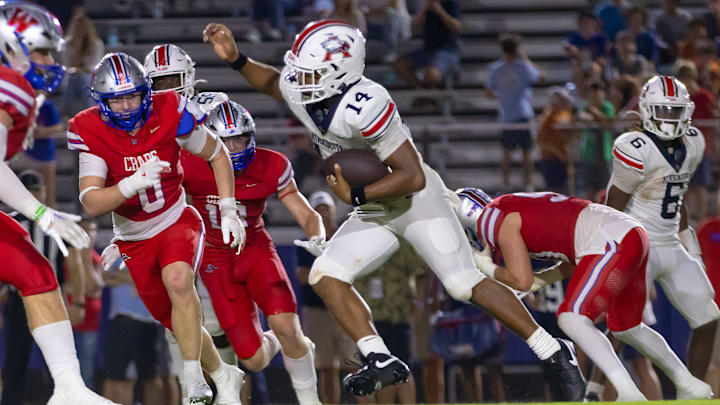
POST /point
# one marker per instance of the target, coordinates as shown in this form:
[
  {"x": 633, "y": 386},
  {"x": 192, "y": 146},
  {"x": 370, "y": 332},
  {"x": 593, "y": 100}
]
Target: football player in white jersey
[
  {"x": 651, "y": 170},
  {"x": 323, "y": 84}
]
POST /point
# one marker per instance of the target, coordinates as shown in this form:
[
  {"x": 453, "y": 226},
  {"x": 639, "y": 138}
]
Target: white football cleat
[
  {"x": 230, "y": 394},
  {"x": 694, "y": 389},
  {"x": 200, "y": 393},
  {"x": 83, "y": 396}
]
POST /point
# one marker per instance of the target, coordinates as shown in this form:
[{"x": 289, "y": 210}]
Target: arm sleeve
[
  {"x": 92, "y": 165},
  {"x": 14, "y": 194},
  {"x": 286, "y": 176},
  {"x": 74, "y": 140}
]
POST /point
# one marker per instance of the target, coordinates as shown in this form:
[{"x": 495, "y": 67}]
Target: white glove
[
  {"x": 148, "y": 175},
  {"x": 110, "y": 257},
  {"x": 483, "y": 262},
  {"x": 231, "y": 225},
  {"x": 61, "y": 225},
  {"x": 316, "y": 245}
]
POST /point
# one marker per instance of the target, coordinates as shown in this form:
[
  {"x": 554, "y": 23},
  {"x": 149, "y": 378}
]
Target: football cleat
[
  {"x": 380, "y": 370},
  {"x": 199, "y": 393},
  {"x": 563, "y": 374},
  {"x": 694, "y": 389},
  {"x": 82, "y": 396}
]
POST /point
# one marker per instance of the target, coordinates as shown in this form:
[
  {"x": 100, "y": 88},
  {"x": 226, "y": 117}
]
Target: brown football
[{"x": 359, "y": 167}]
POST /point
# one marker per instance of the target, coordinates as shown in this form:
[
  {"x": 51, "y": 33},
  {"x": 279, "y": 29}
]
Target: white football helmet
[
  {"x": 326, "y": 57},
  {"x": 230, "y": 119},
  {"x": 169, "y": 59},
  {"x": 472, "y": 203},
  {"x": 24, "y": 28},
  {"x": 665, "y": 107}
]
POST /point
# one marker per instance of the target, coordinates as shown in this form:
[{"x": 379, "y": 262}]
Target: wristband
[
  {"x": 239, "y": 63},
  {"x": 39, "y": 211},
  {"x": 357, "y": 196}
]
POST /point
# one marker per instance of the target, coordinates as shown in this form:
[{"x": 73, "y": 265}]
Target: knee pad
[
  {"x": 460, "y": 291},
  {"x": 323, "y": 267}
]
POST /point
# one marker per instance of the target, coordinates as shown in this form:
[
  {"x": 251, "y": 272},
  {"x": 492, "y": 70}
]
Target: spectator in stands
[
  {"x": 390, "y": 292},
  {"x": 41, "y": 156},
  {"x": 554, "y": 143},
  {"x": 84, "y": 48},
  {"x": 332, "y": 344},
  {"x": 389, "y": 22},
  {"x": 440, "y": 55},
  {"x": 671, "y": 26},
  {"x": 305, "y": 160},
  {"x": 695, "y": 34},
  {"x": 84, "y": 266},
  {"x": 624, "y": 94},
  {"x": 706, "y": 109},
  {"x": 596, "y": 143},
  {"x": 321, "y": 9},
  {"x": 19, "y": 340},
  {"x": 510, "y": 80},
  {"x": 588, "y": 41},
  {"x": 626, "y": 60},
  {"x": 135, "y": 347},
  {"x": 272, "y": 12},
  {"x": 712, "y": 19},
  {"x": 612, "y": 17},
  {"x": 647, "y": 46},
  {"x": 708, "y": 65},
  {"x": 348, "y": 11}
]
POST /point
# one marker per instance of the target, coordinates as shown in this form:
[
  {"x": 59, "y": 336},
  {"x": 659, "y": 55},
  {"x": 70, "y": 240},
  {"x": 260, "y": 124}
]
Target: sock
[
  {"x": 372, "y": 344},
  {"x": 192, "y": 372},
  {"x": 543, "y": 344},
  {"x": 58, "y": 348},
  {"x": 650, "y": 343},
  {"x": 594, "y": 343},
  {"x": 303, "y": 376},
  {"x": 595, "y": 388}
]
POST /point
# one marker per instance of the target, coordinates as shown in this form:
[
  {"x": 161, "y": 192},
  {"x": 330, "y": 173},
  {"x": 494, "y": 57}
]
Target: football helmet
[
  {"x": 230, "y": 119},
  {"x": 472, "y": 202},
  {"x": 24, "y": 28},
  {"x": 327, "y": 56},
  {"x": 169, "y": 59},
  {"x": 665, "y": 107},
  {"x": 119, "y": 74}
]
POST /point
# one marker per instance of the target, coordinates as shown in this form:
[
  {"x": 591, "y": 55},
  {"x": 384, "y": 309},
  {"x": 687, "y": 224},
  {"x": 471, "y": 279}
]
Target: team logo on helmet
[
  {"x": 21, "y": 20},
  {"x": 334, "y": 45}
]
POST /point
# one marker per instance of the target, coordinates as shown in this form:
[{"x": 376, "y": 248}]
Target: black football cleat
[
  {"x": 563, "y": 374},
  {"x": 380, "y": 370},
  {"x": 592, "y": 397}
]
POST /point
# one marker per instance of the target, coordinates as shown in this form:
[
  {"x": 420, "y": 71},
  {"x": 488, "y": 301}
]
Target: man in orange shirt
[{"x": 554, "y": 143}]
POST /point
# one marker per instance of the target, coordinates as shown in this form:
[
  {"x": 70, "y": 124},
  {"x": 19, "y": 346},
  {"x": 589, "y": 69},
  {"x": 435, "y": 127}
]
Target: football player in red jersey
[
  {"x": 129, "y": 148},
  {"x": 28, "y": 35},
  {"x": 606, "y": 252},
  {"x": 238, "y": 284}
]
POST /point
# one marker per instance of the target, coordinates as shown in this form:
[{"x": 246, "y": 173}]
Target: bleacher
[{"x": 460, "y": 139}]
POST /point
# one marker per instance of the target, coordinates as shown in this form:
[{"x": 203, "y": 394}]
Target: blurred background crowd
[{"x": 506, "y": 95}]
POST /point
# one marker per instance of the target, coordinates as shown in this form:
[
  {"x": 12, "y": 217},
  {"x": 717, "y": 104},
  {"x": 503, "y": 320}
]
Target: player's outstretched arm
[
  {"x": 309, "y": 220},
  {"x": 264, "y": 78},
  {"x": 617, "y": 198},
  {"x": 98, "y": 199},
  {"x": 517, "y": 272}
]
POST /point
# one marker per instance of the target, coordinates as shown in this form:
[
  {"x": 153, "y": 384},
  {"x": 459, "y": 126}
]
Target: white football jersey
[
  {"x": 657, "y": 176},
  {"x": 365, "y": 117},
  {"x": 209, "y": 100}
]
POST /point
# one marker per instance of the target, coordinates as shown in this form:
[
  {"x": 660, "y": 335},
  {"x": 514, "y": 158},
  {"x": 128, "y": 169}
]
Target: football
[{"x": 359, "y": 167}]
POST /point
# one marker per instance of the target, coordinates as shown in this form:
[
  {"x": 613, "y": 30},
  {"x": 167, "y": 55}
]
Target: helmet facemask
[
  {"x": 187, "y": 82},
  {"x": 126, "y": 120},
  {"x": 309, "y": 85},
  {"x": 667, "y": 121},
  {"x": 230, "y": 122}
]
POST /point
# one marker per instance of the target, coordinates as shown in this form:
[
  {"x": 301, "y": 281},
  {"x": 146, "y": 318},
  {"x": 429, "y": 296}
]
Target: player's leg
[
  {"x": 433, "y": 229},
  {"x": 624, "y": 319},
  {"x": 212, "y": 325},
  {"x": 47, "y": 317},
  {"x": 687, "y": 286},
  {"x": 357, "y": 248},
  {"x": 586, "y": 299},
  {"x": 269, "y": 286}
]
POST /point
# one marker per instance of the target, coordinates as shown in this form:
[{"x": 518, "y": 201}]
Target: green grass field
[{"x": 684, "y": 402}]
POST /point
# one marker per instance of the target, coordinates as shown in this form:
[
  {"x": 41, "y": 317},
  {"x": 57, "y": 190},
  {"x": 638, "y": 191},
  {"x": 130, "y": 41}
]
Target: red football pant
[
  {"x": 238, "y": 284},
  {"x": 25, "y": 268},
  {"x": 612, "y": 284},
  {"x": 182, "y": 241}
]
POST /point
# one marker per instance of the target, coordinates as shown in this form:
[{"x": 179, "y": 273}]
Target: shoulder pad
[
  {"x": 630, "y": 149},
  {"x": 208, "y": 100},
  {"x": 377, "y": 108}
]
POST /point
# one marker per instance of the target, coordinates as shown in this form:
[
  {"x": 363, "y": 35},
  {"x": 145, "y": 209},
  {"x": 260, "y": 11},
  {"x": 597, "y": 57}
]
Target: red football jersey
[
  {"x": 124, "y": 153},
  {"x": 17, "y": 98},
  {"x": 268, "y": 173},
  {"x": 548, "y": 222}
]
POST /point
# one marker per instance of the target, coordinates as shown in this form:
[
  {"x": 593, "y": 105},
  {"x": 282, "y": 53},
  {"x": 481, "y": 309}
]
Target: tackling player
[
  {"x": 323, "y": 84},
  {"x": 606, "y": 252},
  {"x": 129, "y": 148}
]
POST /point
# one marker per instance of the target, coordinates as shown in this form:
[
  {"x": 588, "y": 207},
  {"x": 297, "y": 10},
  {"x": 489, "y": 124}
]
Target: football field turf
[{"x": 673, "y": 402}]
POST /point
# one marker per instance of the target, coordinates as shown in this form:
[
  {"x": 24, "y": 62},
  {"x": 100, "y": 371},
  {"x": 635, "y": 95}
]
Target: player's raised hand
[
  {"x": 148, "y": 175},
  {"x": 61, "y": 225},
  {"x": 339, "y": 186},
  {"x": 230, "y": 224},
  {"x": 110, "y": 256},
  {"x": 222, "y": 40}
]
